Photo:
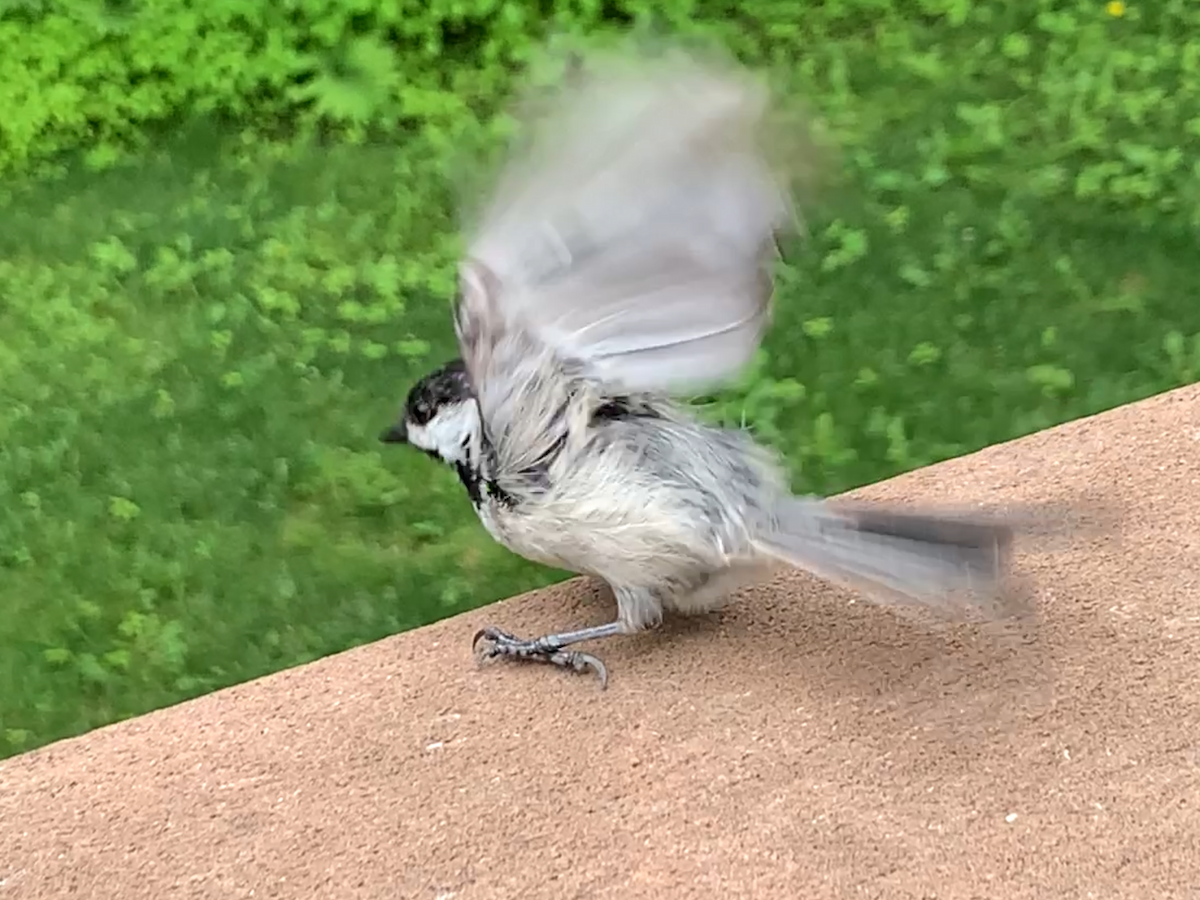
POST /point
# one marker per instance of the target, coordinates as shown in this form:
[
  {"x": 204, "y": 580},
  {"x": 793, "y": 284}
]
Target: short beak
[{"x": 396, "y": 434}]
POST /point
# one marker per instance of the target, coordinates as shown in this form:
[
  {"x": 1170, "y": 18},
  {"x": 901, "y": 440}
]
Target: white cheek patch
[
  {"x": 446, "y": 432},
  {"x": 419, "y": 436}
]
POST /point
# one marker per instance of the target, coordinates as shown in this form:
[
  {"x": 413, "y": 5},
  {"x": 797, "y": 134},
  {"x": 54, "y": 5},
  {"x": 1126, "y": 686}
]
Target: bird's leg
[{"x": 550, "y": 648}]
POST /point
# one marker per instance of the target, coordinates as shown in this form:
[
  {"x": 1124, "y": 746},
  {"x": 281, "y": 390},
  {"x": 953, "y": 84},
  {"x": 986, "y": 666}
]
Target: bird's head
[{"x": 439, "y": 416}]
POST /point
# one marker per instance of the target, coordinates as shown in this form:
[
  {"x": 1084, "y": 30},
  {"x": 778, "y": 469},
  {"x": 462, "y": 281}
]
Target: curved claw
[
  {"x": 499, "y": 639},
  {"x": 587, "y": 661},
  {"x": 490, "y": 633}
]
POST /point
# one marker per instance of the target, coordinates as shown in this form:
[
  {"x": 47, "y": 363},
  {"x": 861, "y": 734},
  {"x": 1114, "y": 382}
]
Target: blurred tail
[{"x": 938, "y": 561}]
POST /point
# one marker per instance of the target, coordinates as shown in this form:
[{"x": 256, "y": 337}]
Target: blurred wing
[{"x": 634, "y": 237}]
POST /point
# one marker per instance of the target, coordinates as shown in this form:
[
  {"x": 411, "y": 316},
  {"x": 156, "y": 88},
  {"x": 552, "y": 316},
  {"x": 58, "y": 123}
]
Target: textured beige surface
[{"x": 797, "y": 745}]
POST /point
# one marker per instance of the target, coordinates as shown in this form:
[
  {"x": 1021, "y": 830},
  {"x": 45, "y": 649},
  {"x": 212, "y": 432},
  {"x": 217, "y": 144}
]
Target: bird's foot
[{"x": 549, "y": 649}]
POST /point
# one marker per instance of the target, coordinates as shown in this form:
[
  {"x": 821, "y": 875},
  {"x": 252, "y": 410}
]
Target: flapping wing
[{"x": 633, "y": 238}]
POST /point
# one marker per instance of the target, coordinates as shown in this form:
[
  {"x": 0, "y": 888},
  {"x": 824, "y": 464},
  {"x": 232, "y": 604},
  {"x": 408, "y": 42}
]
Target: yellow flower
[{"x": 1115, "y": 8}]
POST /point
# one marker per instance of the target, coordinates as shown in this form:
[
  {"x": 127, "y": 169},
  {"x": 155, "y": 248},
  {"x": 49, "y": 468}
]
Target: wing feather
[
  {"x": 640, "y": 222},
  {"x": 631, "y": 242}
]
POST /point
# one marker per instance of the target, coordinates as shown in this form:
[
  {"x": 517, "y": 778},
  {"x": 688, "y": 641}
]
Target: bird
[{"x": 622, "y": 262}]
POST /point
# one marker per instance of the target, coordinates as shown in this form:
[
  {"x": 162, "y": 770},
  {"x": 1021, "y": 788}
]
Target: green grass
[{"x": 198, "y": 347}]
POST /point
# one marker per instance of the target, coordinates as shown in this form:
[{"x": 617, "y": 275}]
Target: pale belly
[{"x": 515, "y": 533}]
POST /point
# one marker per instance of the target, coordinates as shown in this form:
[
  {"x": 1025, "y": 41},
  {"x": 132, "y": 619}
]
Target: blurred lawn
[{"x": 199, "y": 347}]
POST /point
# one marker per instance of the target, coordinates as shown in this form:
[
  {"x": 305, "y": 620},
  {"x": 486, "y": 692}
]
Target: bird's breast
[{"x": 519, "y": 532}]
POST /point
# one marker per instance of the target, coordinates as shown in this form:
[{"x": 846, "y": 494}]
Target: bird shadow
[{"x": 961, "y": 680}]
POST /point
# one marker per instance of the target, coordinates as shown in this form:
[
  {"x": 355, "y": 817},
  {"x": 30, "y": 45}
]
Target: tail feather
[{"x": 941, "y": 562}]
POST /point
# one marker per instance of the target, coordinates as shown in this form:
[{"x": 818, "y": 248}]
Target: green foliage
[{"x": 211, "y": 308}]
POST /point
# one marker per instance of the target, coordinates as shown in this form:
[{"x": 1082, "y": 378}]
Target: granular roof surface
[{"x": 798, "y": 744}]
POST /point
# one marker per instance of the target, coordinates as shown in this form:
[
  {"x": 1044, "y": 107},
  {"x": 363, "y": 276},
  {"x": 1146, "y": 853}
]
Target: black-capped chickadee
[{"x": 625, "y": 259}]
